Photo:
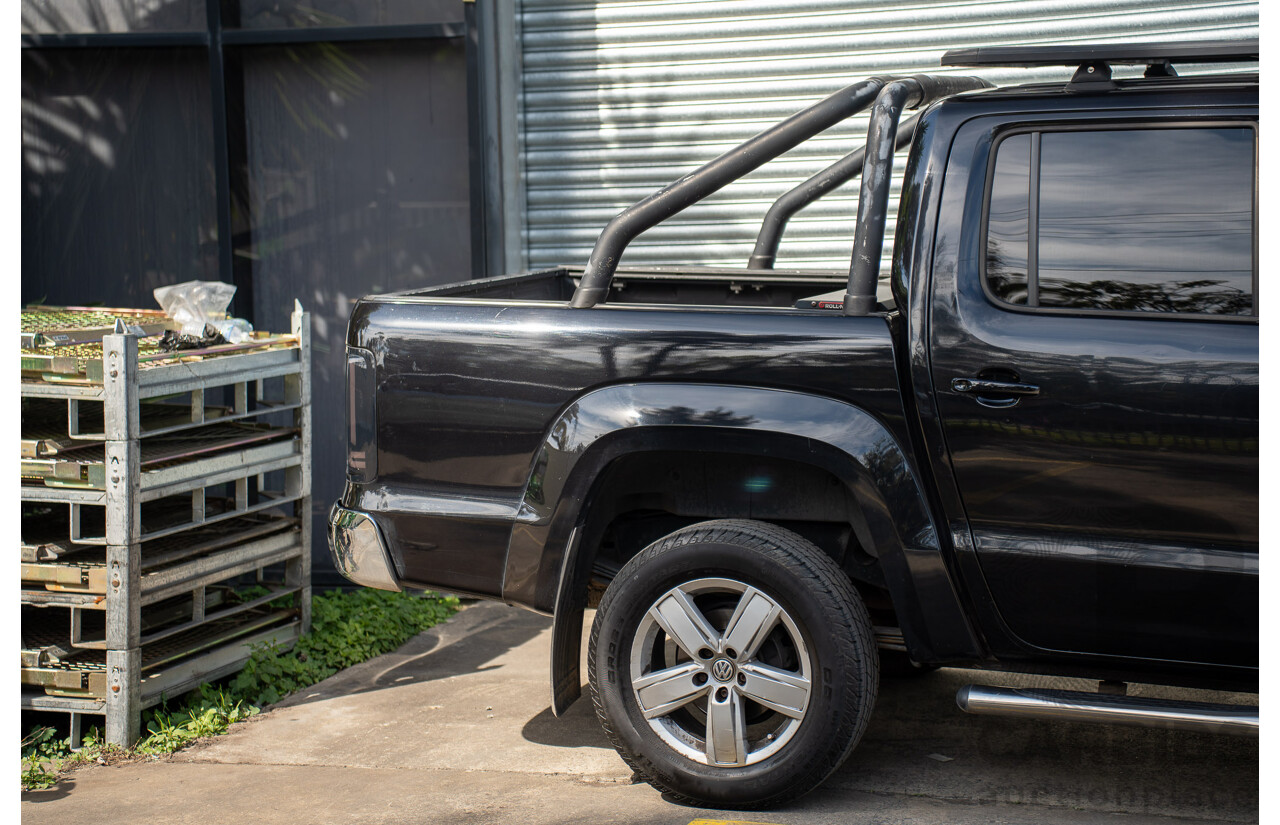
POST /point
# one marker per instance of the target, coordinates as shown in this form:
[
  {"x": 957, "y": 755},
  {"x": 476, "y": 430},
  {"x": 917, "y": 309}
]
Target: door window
[{"x": 1124, "y": 220}]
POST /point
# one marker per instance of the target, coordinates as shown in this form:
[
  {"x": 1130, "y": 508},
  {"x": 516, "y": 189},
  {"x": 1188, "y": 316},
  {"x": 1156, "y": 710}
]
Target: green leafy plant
[
  {"x": 44, "y": 756},
  {"x": 209, "y": 713},
  {"x": 346, "y": 628},
  {"x": 41, "y": 758}
]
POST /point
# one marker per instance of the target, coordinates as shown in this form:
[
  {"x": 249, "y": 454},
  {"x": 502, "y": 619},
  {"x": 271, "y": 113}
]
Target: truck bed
[
  {"x": 470, "y": 378},
  {"x": 688, "y": 286}
]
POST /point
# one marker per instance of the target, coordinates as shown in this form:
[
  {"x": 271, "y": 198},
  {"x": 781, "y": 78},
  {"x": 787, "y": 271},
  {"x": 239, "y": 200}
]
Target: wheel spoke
[
  {"x": 785, "y": 692},
  {"x": 684, "y": 623},
  {"x": 663, "y": 691},
  {"x": 751, "y": 624},
  {"x": 726, "y": 731}
]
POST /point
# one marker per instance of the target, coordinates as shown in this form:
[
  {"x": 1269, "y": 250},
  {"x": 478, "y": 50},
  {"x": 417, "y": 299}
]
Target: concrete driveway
[{"x": 456, "y": 726}]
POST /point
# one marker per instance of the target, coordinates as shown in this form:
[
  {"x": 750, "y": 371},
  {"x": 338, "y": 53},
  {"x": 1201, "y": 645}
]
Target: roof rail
[
  {"x": 1132, "y": 54},
  {"x": 1093, "y": 61}
]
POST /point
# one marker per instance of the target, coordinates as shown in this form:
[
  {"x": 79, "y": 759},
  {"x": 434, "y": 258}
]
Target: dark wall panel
[
  {"x": 117, "y": 174},
  {"x": 102, "y": 16},
  {"x": 358, "y": 183},
  {"x": 272, "y": 14}
]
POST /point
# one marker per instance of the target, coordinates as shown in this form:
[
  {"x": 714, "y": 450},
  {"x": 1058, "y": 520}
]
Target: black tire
[{"x": 820, "y": 627}]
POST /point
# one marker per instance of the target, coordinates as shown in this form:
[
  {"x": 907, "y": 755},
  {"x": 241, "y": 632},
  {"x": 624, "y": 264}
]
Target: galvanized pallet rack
[{"x": 143, "y": 504}]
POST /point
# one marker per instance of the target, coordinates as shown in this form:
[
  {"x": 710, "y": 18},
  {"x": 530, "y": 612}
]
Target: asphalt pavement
[{"x": 456, "y": 725}]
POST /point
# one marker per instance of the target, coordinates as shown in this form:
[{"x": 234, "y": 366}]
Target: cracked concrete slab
[{"x": 456, "y": 723}]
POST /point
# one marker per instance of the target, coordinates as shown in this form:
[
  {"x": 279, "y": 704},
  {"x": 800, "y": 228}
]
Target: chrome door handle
[{"x": 983, "y": 385}]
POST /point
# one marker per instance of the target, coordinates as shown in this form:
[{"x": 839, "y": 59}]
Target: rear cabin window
[{"x": 1136, "y": 220}]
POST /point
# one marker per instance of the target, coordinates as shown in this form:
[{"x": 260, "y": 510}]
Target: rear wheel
[{"x": 733, "y": 664}]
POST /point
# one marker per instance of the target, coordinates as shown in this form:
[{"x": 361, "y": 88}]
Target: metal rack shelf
[
  {"x": 45, "y": 437},
  {"x": 48, "y": 533},
  {"x": 84, "y": 523},
  {"x": 172, "y": 479},
  {"x": 83, "y": 375},
  {"x": 85, "y": 467},
  {"x": 182, "y": 562},
  {"x": 170, "y": 679},
  {"x": 82, "y": 673},
  {"x": 146, "y": 502},
  {"x": 61, "y": 326}
]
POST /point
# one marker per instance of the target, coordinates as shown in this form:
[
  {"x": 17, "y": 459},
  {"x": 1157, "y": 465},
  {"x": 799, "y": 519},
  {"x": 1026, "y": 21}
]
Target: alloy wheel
[{"x": 721, "y": 672}]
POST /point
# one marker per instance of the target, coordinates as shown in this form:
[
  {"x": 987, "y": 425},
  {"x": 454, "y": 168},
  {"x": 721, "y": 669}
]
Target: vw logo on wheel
[{"x": 722, "y": 669}]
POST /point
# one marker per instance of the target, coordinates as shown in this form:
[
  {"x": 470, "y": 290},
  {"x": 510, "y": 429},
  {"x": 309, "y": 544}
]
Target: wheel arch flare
[{"x": 548, "y": 563}]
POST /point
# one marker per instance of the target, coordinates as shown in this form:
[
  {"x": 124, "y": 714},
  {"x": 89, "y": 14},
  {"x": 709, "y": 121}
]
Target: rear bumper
[{"x": 358, "y": 549}]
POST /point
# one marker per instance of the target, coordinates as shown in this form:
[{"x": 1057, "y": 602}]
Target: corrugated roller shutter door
[{"x": 621, "y": 98}]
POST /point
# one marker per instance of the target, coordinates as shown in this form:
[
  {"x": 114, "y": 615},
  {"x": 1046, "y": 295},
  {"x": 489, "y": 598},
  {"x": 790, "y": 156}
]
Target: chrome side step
[{"x": 1074, "y": 706}]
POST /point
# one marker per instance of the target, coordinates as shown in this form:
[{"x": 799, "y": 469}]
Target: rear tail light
[{"x": 362, "y": 452}]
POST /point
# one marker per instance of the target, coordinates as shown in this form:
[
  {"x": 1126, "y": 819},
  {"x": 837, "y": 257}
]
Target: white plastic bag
[
  {"x": 195, "y": 303},
  {"x": 235, "y": 330}
]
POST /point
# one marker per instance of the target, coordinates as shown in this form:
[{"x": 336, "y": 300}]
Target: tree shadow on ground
[{"x": 468, "y": 643}]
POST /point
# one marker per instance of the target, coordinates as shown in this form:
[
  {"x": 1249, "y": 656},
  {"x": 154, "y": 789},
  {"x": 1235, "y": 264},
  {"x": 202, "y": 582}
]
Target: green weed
[
  {"x": 210, "y": 713},
  {"x": 44, "y": 756},
  {"x": 41, "y": 758}
]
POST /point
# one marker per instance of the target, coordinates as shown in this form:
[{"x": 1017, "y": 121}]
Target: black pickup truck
[{"x": 1033, "y": 447}]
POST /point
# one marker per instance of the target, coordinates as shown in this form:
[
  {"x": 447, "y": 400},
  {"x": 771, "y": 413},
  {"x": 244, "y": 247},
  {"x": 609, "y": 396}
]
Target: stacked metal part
[{"x": 165, "y": 509}]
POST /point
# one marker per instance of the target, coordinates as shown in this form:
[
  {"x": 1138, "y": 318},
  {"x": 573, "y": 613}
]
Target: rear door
[{"x": 1096, "y": 374}]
